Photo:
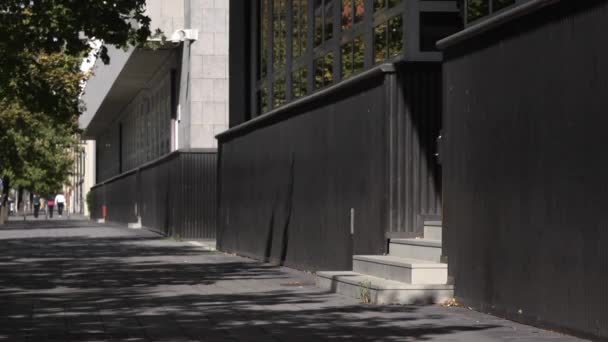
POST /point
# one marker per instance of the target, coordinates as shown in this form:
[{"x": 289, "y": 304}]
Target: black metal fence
[
  {"x": 175, "y": 195},
  {"x": 414, "y": 124},
  {"x": 525, "y": 211},
  {"x": 358, "y": 155}
]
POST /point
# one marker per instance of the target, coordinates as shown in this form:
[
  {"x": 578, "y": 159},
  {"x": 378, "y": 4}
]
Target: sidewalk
[{"x": 76, "y": 280}]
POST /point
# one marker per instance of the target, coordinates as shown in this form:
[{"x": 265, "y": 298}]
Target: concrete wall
[
  {"x": 89, "y": 170},
  {"x": 166, "y": 15},
  {"x": 82, "y": 178},
  {"x": 147, "y": 131},
  {"x": 146, "y": 128},
  {"x": 100, "y": 83},
  {"x": 204, "y": 111}
]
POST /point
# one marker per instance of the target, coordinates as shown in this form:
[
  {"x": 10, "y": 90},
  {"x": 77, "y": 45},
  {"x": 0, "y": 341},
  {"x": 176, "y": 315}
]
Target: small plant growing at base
[
  {"x": 174, "y": 237},
  {"x": 365, "y": 295},
  {"x": 452, "y": 303}
]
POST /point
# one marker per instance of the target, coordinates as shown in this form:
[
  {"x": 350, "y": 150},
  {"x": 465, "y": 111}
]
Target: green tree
[
  {"x": 35, "y": 147},
  {"x": 42, "y": 44},
  {"x": 35, "y": 152},
  {"x": 30, "y": 29}
]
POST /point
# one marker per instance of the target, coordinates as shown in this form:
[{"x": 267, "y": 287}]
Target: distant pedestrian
[
  {"x": 60, "y": 202},
  {"x": 50, "y": 204},
  {"x": 36, "y": 203}
]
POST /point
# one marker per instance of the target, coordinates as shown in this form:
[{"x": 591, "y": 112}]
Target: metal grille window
[
  {"x": 388, "y": 39},
  {"x": 324, "y": 21},
  {"x": 302, "y": 46},
  {"x": 300, "y": 27},
  {"x": 353, "y": 54},
  {"x": 279, "y": 46},
  {"x": 352, "y": 13},
  {"x": 299, "y": 82},
  {"x": 324, "y": 71},
  {"x": 280, "y": 97},
  {"x": 477, "y": 9},
  {"x": 383, "y": 4}
]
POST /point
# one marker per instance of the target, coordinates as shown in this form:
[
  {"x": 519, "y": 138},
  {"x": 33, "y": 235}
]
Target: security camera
[
  {"x": 184, "y": 34},
  {"x": 178, "y": 36}
]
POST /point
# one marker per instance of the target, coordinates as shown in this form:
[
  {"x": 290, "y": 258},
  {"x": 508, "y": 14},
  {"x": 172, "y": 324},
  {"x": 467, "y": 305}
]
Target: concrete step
[
  {"x": 433, "y": 230},
  {"x": 433, "y": 223},
  {"x": 420, "y": 249},
  {"x": 382, "y": 291},
  {"x": 410, "y": 271}
]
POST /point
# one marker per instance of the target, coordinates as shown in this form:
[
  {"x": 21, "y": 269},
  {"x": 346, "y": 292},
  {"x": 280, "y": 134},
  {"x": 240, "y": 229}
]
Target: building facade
[
  {"x": 333, "y": 150},
  {"x": 154, "y": 112},
  {"x": 82, "y": 178},
  {"x": 357, "y": 135}
]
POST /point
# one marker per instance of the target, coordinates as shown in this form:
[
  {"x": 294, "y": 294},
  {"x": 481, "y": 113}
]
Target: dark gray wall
[
  {"x": 175, "y": 195},
  {"x": 288, "y": 180},
  {"x": 287, "y": 187},
  {"x": 525, "y": 207},
  {"x": 414, "y": 123},
  {"x": 239, "y": 66}
]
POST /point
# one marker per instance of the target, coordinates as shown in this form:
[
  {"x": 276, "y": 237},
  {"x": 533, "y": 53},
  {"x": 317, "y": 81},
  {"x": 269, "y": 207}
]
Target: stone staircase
[{"x": 410, "y": 274}]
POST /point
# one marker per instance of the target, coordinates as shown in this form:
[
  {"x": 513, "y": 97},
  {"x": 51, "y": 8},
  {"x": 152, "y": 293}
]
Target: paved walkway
[{"x": 80, "y": 281}]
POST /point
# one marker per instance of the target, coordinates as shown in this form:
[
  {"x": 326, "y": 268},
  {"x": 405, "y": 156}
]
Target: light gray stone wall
[
  {"x": 146, "y": 128},
  {"x": 166, "y": 15},
  {"x": 203, "y": 90},
  {"x": 206, "y": 110}
]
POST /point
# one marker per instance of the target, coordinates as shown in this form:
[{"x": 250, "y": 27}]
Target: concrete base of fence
[{"x": 135, "y": 225}]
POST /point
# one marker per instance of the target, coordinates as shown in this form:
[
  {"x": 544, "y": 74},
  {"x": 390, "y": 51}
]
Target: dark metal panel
[
  {"x": 195, "y": 189},
  {"x": 97, "y": 201},
  {"x": 415, "y": 123},
  {"x": 288, "y": 186},
  {"x": 240, "y": 71},
  {"x": 121, "y": 199},
  {"x": 154, "y": 203},
  {"x": 175, "y": 195},
  {"x": 524, "y": 199}
]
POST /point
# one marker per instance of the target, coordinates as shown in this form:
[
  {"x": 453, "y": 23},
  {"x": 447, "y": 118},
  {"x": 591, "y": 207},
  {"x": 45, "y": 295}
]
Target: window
[
  {"x": 352, "y": 57},
  {"x": 279, "y": 95},
  {"x": 280, "y": 35},
  {"x": 264, "y": 35},
  {"x": 300, "y": 27},
  {"x": 497, "y": 5},
  {"x": 352, "y": 13},
  {"x": 383, "y": 4},
  {"x": 324, "y": 71},
  {"x": 299, "y": 82},
  {"x": 324, "y": 21},
  {"x": 303, "y": 46},
  {"x": 388, "y": 39},
  {"x": 477, "y": 9},
  {"x": 263, "y": 99},
  {"x": 299, "y": 79}
]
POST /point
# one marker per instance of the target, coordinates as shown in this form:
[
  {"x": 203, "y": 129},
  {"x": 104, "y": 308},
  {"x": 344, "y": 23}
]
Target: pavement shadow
[{"x": 134, "y": 288}]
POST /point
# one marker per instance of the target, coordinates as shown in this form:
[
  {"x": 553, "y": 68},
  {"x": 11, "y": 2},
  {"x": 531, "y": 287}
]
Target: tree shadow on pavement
[{"x": 125, "y": 287}]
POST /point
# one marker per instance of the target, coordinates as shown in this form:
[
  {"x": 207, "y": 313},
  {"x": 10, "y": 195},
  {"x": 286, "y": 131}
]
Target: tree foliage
[
  {"x": 30, "y": 29},
  {"x": 42, "y": 44},
  {"x": 35, "y": 146},
  {"x": 35, "y": 152}
]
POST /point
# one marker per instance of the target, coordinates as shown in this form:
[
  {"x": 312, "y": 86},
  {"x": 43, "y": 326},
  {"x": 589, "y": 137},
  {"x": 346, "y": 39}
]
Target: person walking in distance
[
  {"x": 60, "y": 202},
  {"x": 50, "y": 204},
  {"x": 36, "y": 203}
]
